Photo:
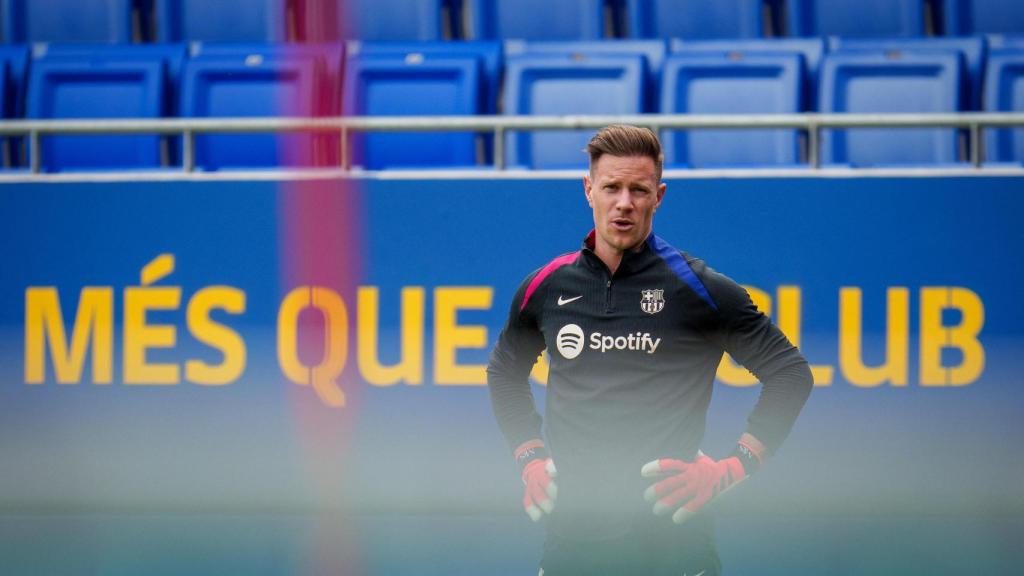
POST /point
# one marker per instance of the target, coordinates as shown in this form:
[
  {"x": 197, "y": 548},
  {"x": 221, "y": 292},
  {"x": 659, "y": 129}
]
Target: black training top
[{"x": 633, "y": 357}]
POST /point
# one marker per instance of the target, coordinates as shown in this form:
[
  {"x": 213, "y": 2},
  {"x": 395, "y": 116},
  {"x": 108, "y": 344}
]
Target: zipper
[{"x": 607, "y": 285}]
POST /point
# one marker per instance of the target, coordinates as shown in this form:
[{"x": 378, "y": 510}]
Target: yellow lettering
[
  {"x": 965, "y": 336},
  {"x": 934, "y": 336},
  {"x": 894, "y": 369},
  {"x": 410, "y": 367},
  {"x": 138, "y": 336},
  {"x": 215, "y": 335},
  {"x": 541, "y": 368},
  {"x": 323, "y": 376},
  {"x": 44, "y": 324},
  {"x": 449, "y": 336}
]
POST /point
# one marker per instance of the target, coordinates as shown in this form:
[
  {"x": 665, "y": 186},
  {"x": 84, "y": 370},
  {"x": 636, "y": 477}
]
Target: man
[{"x": 635, "y": 330}]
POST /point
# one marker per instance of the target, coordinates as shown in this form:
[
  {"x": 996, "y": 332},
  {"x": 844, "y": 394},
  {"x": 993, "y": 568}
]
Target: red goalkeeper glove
[
  {"x": 687, "y": 487},
  {"x": 538, "y": 470}
]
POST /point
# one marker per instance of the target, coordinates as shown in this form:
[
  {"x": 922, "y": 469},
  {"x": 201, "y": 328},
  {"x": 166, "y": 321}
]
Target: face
[{"x": 624, "y": 192}]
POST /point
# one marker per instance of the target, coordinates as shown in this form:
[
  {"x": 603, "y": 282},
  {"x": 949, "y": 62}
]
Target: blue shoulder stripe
[{"x": 682, "y": 269}]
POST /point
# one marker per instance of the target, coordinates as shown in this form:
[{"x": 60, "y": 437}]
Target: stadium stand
[
  {"x": 221, "y": 20},
  {"x": 811, "y": 49},
  {"x": 1004, "y": 83},
  {"x": 396, "y": 57},
  {"x": 92, "y": 88},
  {"x": 963, "y": 17},
  {"x": 653, "y": 52},
  {"x": 856, "y": 18},
  {"x": 333, "y": 20},
  {"x": 695, "y": 19},
  {"x": 277, "y": 85},
  {"x": 536, "y": 19},
  {"x": 98, "y": 21},
  {"x": 971, "y": 49},
  {"x": 731, "y": 84},
  {"x": 560, "y": 85},
  {"x": 413, "y": 86},
  {"x": 891, "y": 83}
]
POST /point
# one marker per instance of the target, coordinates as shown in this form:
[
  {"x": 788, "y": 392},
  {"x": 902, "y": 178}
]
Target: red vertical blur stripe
[
  {"x": 317, "y": 20},
  {"x": 321, "y": 245}
]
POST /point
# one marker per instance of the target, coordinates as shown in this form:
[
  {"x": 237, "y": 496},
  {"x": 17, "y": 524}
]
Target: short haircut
[{"x": 625, "y": 141}]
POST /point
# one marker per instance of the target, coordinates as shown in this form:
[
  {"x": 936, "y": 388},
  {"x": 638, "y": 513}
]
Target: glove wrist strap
[
  {"x": 529, "y": 451},
  {"x": 750, "y": 452}
]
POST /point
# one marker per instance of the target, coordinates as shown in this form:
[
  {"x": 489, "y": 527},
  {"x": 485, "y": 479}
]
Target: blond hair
[{"x": 625, "y": 141}]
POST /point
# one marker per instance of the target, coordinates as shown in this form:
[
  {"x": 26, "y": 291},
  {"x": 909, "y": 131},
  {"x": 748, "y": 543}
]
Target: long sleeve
[
  {"x": 754, "y": 341},
  {"x": 508, "y": 371}
]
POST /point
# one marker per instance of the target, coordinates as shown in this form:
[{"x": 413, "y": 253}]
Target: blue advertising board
[{"x": 315, "y": 345}]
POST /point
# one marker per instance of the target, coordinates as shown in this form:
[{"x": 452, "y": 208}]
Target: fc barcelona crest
[{"x": 652, "y": 301}]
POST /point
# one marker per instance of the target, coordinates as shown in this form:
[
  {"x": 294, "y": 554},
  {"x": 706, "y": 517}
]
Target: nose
[{"x": 623, "y": 199}]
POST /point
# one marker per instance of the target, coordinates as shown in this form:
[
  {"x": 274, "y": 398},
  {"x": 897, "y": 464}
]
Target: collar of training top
[{"x": 632, "y": 260}]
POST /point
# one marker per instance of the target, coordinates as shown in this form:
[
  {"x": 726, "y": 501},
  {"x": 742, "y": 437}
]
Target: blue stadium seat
[
  {"x": 221, "y": 20},
  {"x": 536, "y": 19},
  {"x": 334, "y": 20},
  {"x": 695, "y": 18},
  {"x": 89, "y": 88},
  {"x": 653, "y": 52},
  {"x": 329, "y": 58},
  {"x": 894, "y": 83},
  {"x": 856, "y": 18},
  {"x": 489, "y": 53},
  {"x": 420, "y": 86},
  {"x": 811, "y": 49},
  {"x": 171, "y": 55},
  {"x": 1004, "y": 92},
  {"x": 98, "y": 21},
  {"x": 962, "y": 17},
  {"x": 972, "y": 49},
  {"x": 560, "y": 85},
  {"x": 714, "y": 84},
  {"x": 256, "y": 87}
]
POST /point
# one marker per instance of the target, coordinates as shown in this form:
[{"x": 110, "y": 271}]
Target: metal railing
[{"x": 498, "y": 126}]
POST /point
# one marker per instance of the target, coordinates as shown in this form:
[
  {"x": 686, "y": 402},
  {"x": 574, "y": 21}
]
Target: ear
[
  {"x": 661, "y": 195},
  {"x": 587, "y": 190}
]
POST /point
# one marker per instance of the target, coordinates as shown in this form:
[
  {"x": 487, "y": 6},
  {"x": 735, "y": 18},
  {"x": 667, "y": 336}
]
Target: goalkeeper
[{"x": 635, "y": 330}]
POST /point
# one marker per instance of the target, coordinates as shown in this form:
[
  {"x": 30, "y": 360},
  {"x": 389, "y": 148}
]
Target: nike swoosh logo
[{"x": 564, "y": 301}]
